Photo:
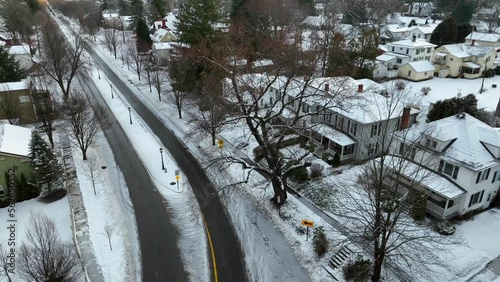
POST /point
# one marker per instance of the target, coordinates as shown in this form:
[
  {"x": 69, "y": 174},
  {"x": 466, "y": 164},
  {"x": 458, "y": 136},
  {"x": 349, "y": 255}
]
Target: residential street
[{"x": 226, "y": 248}]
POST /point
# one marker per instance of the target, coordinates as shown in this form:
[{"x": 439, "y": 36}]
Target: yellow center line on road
[{"x": 216, "y": 277}]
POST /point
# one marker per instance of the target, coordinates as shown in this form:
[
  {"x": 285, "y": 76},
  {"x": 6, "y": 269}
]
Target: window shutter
[
  {"x": 478, "y": 176},
  {"x": 488, "y": 173},
  {"x": 494, "y": 177},
  {"x": 470, "y": 202},
  {"x": 481, "y": 197}
]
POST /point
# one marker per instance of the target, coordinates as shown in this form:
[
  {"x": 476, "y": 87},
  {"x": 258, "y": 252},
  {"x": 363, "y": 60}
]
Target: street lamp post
[
  {"x": 111, "y": 85},
  {"x": 162, "y": 163},
  {"x": 129, "y": 115},
  {"x": 98, "y": 73},
  {"x": 484, "y": 73}
]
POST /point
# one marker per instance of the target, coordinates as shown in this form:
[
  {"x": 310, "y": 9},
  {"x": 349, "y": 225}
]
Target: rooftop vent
[{"x": 461, "y": 116}]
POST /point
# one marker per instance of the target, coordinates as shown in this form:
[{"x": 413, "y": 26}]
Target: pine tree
[
  {"x": 464, "y": 9},
  {"x": 197, "y": 20},
  {"x": 136, "y": 11},
  {"x": 158, "y": 8},
  {"x": 453, "y": 106},
  {"x": 45, "y": 167},
  {"x": 123, "y": 7},
  {"x": 445, "y": 32},
  {"x": 143, "y": 38},
  {"x": 10, "y": 71}
]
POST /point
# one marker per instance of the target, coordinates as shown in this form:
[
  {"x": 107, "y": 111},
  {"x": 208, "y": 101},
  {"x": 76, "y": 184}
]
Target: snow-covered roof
[
  {"x": 425, "y": 29},
  {"x": 467, "y": 135},
  {"x": 463, "y": 50},
  {"x": 315, "y": 21},
  {"x": 160, "y": 33},
  {"x": 441, "y": 54},
  {"x": 421, "y": 66},
  {"x": 424, "y": 176},
  {"x": 15, "y": 140},
  {"x": 333, "y": 134},
  {"x": 262, "y": 63},
  {"x": 409, "y": 42},
  {"x": 371, "y": 85},
  {"x": 471, "y": 65},
  {"x": 162, "y": 46},
  {"x": 19, "y": 49},
  {"x": 13, "y": 86},
  {"x": 171, "y": 22},
  {"x": 486, "y": 37}
]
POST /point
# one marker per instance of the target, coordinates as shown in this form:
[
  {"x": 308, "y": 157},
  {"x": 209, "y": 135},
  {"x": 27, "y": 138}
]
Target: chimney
[
  {"x": 360, "y": 88},
  {"x": 327, "y": 87},
  {"x": 472, "y": 42},
  {"x": 163, "y": 24},
  {"x": 414, "y": 38},
  {"x": 405, "y": 120}
]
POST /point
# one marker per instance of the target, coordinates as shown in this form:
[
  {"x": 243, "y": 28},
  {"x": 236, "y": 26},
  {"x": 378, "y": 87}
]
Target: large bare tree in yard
[
  {"x": 46, "y": 105},
  {"x": 61, "y": 57},
  {"x": 82, "y": 120},
  {"x": 44, "y": 256},
  {"x": 112, "y": 40},
  {"x": 181, "y": 81},
  {"x": 137, "y": 58},
  {"x": 275, "y": 106},
  {"x": 383, "y": 201},
  {"x": 10, "y": 107},
  {"x": 5, "y": 265}
]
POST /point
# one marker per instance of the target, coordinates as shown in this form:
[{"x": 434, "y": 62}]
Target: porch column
[
  {"x": 341, "y": 151},
  {"x": 446, "y": 207}
]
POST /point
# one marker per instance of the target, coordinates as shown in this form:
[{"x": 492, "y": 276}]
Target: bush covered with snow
[
  {"x": 358, "y": 270},
  {"x": 444, "y": 227}
]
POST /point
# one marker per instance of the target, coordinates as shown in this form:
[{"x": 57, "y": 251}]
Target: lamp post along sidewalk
[{"x": 162, "y": 163}]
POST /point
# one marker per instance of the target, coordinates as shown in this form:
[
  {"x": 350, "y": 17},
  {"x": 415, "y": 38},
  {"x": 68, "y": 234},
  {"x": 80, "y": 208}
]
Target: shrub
[
  {"x": 425, "y": 90},
  {"x": 300, "y": 175},
  {"x": 444, "y": 227},
  {"x": 419, "y": 206},
  {"x": 400, "y": 85},
  {"x": 358, "y": 270},
  {"x": 311, "y": 148},
  {"x": 497, "y": 71},
  {"x": 316, "y": 170},
  {"x": 320, "y": 242},
  {"x": 336, "y": 160},
  {"x": 327, "y": 158},
  {"x": 489, "y": 73}
]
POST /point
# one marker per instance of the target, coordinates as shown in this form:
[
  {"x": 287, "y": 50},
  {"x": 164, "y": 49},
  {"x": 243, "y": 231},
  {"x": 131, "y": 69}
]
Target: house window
[
  {"x": 339, "y": 122},
  {"x": 496, "y": 176},
  {"x": 372, "y": 148},
  {"x": 476, "y": 198},
  {"x": 417, "y": 52},
  {"x": 352, "y": 127},
  {"x": 483, "y": 175},
  {"x": 392, "y": 49},
  {"x": 430, "y": 143},
  {"x": 489, "y": 197},
  {"x": 409, "y": 72},
  {"x": 448, "y": 169},
  {"x": 407, "y": 50},
  {"x": 425, "y": 73},
  {"x": 375, "y": 130},
  {"x": 305, "y": 108},
  {"x": 429, "y": 50},
  {"x": 451, "y": 59},
  {"x": 399, "y": 61}
]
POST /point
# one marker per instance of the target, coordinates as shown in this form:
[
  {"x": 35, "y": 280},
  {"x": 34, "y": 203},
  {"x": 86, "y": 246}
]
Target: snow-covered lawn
[
  {"x": 445, "y": 88},
  {"x": 58, "y": 211}
]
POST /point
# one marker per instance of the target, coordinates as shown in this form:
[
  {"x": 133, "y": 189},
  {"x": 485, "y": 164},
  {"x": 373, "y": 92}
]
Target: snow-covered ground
[
  {"x": 445, "y": 88},
  {"x": 57, "y": 211}
]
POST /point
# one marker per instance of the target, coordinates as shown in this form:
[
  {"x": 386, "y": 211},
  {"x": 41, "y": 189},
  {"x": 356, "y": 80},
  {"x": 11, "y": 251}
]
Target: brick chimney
[
  {"x": 405, "y": 120},
  {"x": 472, "y": 42},
  {"x": 360, "y": 88},
  {"x": 327, "y": 87},
  {"x": 164, "y": 24}
]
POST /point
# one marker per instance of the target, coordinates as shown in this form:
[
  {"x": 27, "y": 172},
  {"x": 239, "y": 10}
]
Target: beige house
[
  {"x": 15, "y": 103},
  {"x": 483, "y": 39},
  {"x": 463, "y": 60},
  {"x": 417, "y": 71}
]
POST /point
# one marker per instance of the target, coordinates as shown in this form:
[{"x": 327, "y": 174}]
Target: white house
[
  {"x": 461, "y": 155},
  {"x": 385, "y": 66},
  {"x": 404, "y": 21},
  {"x": 484, "y": 39},
  {"x": 411, "y": 50},
  {"x": 393, "y": 32},
  {"x": 423, "y": 31}
]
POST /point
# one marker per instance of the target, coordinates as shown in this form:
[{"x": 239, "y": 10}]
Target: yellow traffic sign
[
  {"x": 220, "y": 142},
  {"x": 221, "y": 146},
  {"x": 308, "y": 223},
  {"x": 177, "y": 177}
]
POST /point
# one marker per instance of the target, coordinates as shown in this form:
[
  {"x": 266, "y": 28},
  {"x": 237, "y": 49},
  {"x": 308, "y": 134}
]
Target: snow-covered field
[{"x": 58, "y": 211}]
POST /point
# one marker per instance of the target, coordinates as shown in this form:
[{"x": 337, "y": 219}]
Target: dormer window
[
  {"x": 430, "y": 143},
  {"x": 448, "y": 169}
]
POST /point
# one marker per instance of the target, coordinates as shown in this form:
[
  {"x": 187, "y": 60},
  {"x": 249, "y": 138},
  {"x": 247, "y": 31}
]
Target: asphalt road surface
[
  {"x": 158, "y": 237},
  {"x": 225, "y": 244}
]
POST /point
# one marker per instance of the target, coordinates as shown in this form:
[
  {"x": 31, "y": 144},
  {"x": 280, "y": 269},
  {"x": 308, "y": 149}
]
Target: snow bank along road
[{"x": 226, "y": 252}]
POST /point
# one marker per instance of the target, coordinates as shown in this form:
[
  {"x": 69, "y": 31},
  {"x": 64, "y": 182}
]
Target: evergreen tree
[
  {"x": 464, "y": 9},
  {"x": 10, "y": 71},
  {"x": 235, "y": 7},
  {"x": 453, "y": 106},
  {"x": 123, "y": 7},
  {"x": 143, "y": 38},
  {"x": 136, "y": 11},
  {"x": 463, "y": 29},
  {"x": 197, "y": 20},
  {"x": 158, "y": 8},
  {"x": 445, "y": 32},
  {"x": 44, "y": 164}
]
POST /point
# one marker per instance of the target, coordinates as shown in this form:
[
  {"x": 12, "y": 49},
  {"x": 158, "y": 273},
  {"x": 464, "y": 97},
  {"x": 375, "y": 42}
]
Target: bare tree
[
  {"x": 158, "y": 77},
  {"x": 5, "y": 265},
  {"x": 10, "y": 107},
  {"x": 135, "y": 56},
  {"x": 18, "y": 20},
  {"x": 178, "y": 77},
  {"x": 93, "y": 170},
  {"x": 61, "y": 57},
  {"x": 108, "y": 231},
  {"x": 44, "y": 256},
  {"x": 82, "y": 120},
  {"x": 111, "y": 40},
  {"x": 378, "y": 199},
  {"x": 46, "y": 105}
]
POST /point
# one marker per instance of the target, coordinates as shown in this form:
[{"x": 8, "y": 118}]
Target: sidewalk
[{"x": 79, "y": 216}]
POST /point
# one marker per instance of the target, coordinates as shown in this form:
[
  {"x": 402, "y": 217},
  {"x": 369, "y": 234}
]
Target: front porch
[
  {"x": 471, "y": 70},
  {"x": 334, "y": 141}
]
